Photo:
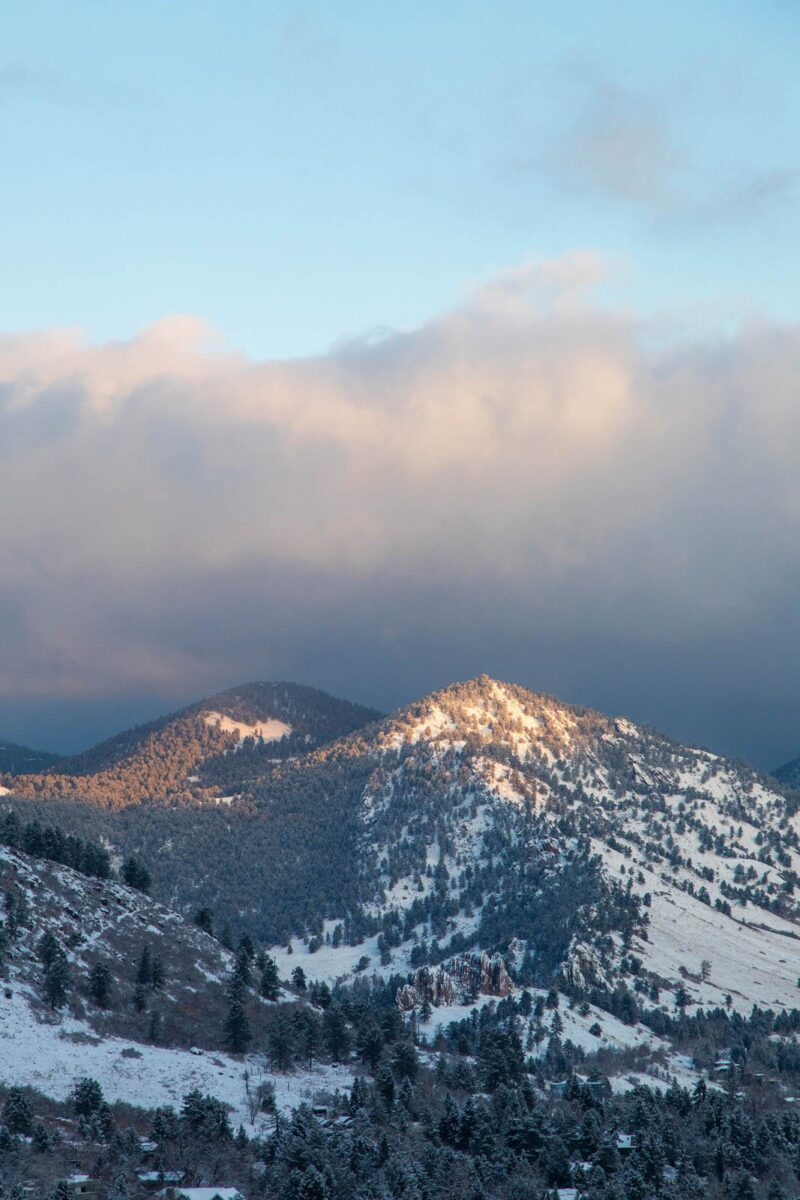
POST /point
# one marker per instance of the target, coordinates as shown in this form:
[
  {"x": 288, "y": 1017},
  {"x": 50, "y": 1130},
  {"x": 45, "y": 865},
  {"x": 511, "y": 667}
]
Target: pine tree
[
  {"x": 280, "y": 1041},
  {"x": 135, "y": 875},
  {"x": 41, "y": 1142},
  {"x": 299, "y": 979},
  {"x": 144, "y": 973},
  {"x": 87, "y": 1097},
  {"x": 46, "y": 948},
  {"x": 237, "y": 1026},
  {"x": 17, "y": 1112},
  {"x": 370, "y": 1043},
  {"x": 100, "y": 984},
  {"x": 204, "y": 919},
  {"x": 56, "y": 979},
  {"x": 270, "y": 983},
  {"x": 308, "y": 1033},
  {"x": 157, "y": 974},
  {"x": 241, "y": 967},
  {"x": 385, "y": 1083},
  {"x": 335, "y": 1033}
]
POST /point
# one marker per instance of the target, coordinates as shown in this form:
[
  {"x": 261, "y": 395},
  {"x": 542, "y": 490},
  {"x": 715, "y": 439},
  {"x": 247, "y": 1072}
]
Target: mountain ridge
[
  {"x": 181, "y": 756},
  {"x": 486, "y": 816}
]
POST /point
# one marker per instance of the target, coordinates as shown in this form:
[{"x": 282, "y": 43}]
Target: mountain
[
  {"x": 593, "y": 852},
  {"x": 216, "y": 744},
  {"x": 559, "y": 952},
  {"x": 21, "y": 760},
  {"x": 789, "y": 774}
]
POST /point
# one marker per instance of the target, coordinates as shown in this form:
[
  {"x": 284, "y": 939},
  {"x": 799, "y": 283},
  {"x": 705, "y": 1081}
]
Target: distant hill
[
  {"x": 19, "y": 760},
  {"x": 789, "y": 773},
  {"x": 213, "y": 746}
]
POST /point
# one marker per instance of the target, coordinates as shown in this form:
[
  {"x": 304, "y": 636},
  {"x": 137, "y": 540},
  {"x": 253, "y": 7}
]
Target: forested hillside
[
  {"x": 789, "y": 774},
  {"x": 214, "y": 746},
  {"x": 483, "y": 817},
  {"x": 503, "y": 946},
  {"x": 21, "y": 760}
]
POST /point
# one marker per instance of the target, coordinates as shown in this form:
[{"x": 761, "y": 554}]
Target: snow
[
  {"x": 208, "y": 1193},
  {"x": 269, "y": 730},
  {"x": 751, "y": 954},
  {"x": 51, "y": 1056}
]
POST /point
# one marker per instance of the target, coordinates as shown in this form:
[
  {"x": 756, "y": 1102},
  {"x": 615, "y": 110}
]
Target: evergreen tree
[
  {"x": 270, "y": 984},
  {"x": 100, "y": 984},
  {"x": 204, "y": 919},
  {"x": 144, "y": 972},
  {"x": 87, "y": 1097},
  {"x": 157, "y": 974},
  {"x": 41, "y": 1142},
  {"x": 17, "y": 1112},
  {"x": 299, "y": 979},
  {"x": 237, "y": 1026},
  {"x": 135, "y": 875},
  {"x": 56, "y": 979},
  {"x": 47, "y": 948},
  {"x": 280, "y": 1040},
  {"x": 241, "y": 969},
  {"x": 335, "y": 1033}
]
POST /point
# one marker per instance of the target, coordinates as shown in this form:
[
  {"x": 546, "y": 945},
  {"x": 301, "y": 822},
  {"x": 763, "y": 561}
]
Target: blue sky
[{"x": 299, "y": 173}]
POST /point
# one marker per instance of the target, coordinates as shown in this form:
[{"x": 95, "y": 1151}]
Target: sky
[{"x": 379, "y": 345}]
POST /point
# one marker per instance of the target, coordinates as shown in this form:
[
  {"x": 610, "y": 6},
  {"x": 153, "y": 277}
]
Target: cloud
[
  {"x": 523, "y": 485},
  {"x": 620, "y": 146}
]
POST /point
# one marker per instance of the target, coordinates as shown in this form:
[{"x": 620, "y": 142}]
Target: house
[
  {"x": 208, "y": 1193},
  {"x": 624, "y": 1142},
  {"x": 580, "y": 1167},
  {"x": 80, "y": 1185},
  {"x": 154, "y": 1179},
  {"x": 558, "y": 1090}
]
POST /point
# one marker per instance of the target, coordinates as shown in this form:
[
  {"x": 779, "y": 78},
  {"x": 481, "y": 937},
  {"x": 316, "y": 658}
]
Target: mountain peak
[{"x": 484, "y": 710}]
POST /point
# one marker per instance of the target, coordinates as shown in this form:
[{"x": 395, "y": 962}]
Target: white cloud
[{"x": 176, "y": 513}]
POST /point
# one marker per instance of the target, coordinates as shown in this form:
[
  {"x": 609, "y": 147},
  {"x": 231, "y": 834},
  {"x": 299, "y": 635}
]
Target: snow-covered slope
[
  {"x": 51, "y": 1055},
  {"x": 99, "y": 921},
  {"x": 481, "y": 816},
  {"x": 488, "y": 804}
]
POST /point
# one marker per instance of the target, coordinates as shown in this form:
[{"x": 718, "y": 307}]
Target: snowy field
[{"x": 50, "y": 1057}]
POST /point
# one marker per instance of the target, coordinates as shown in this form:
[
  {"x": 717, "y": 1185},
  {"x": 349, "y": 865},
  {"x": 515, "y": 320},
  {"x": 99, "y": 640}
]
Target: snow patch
[{"x": 270, "y": 730}]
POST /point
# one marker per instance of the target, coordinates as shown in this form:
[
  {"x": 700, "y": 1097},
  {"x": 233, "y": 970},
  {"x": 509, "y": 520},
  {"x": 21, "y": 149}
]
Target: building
[
  {"x": 156, "y": 1179},
  {"x": 208, "y": 1193},
  {"x": 81, "y": 1185}
]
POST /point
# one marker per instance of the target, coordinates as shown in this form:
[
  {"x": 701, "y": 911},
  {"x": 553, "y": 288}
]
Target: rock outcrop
[{"x": 458, "y": 982}]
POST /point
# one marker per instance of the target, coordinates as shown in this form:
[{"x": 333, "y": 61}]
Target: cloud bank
[{"x": 531, "y": 484}]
